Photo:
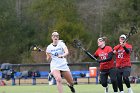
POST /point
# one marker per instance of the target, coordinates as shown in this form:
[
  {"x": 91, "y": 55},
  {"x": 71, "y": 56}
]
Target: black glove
[{"x": 98, "y": 61}]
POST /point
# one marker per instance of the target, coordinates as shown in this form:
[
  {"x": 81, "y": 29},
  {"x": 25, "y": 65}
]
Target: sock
[
  {"x": 129, "y": 88},
  {"x": 106, "y": 89}
]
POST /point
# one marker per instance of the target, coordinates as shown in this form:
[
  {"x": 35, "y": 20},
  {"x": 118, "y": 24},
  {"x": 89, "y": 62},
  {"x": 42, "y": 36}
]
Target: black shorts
[
  {"x": 125, "y": 72},
  {"x": 105, "y": 73}
]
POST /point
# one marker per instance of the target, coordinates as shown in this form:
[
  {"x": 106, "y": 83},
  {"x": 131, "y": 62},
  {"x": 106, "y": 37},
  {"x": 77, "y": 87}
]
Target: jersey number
[
  {"x": 103, "y": 57},
  {"x": 120, "y": 55},
  {"x": 56, "y": 54}
]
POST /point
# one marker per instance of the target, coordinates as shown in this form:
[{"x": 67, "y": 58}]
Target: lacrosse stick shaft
[
  {"x": 132, "y": 32},
  {"x": 41, "y": 50},
  {"x": 89, "y": 54},
  {"x": 78, "y": 45}
]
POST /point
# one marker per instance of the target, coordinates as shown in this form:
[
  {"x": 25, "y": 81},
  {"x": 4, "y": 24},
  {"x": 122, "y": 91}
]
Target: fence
[{"x": 81, "y": 73}]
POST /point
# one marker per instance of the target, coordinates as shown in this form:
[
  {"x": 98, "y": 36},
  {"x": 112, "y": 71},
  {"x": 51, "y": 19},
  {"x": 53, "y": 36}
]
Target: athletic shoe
[
  {"x": 106, "y": 89},
  {"x": 71, "y": 88},
  {"x": 122, "y": 92},
  {"x": 130, "y": 90}
]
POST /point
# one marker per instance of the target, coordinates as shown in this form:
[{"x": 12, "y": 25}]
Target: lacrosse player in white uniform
[{"x": 57, "y": 52}]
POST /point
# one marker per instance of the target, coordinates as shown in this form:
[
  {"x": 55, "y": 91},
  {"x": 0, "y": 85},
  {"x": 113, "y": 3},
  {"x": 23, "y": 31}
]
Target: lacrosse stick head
[
  {"x": 133, "y": 31},
  {"x": 35, "y": 48},
  {"x": 77, "y": 43}
]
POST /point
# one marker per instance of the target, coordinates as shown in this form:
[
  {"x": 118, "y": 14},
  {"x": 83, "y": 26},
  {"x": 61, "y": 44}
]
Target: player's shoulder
[
  {"x": 98, "y": 50},
  {"x": 60, "y": 42},
  {"x": 49, "y": 46},
  {"x": 128, "y": 45},
  {"x": 109, "y": 47},
  {"x": 117, "y": 46}
]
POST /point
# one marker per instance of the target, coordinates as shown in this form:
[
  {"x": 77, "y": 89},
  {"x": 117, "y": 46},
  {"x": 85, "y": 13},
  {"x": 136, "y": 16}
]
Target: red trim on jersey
[
  {"x": 103, "y": 54},
  {"x": 122, "y": 58}
]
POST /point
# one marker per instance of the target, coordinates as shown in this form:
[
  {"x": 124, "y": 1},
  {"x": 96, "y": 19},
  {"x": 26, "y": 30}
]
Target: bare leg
[
  {"x": 67, "y": 75},
  {"x": 57, "y": 75}
]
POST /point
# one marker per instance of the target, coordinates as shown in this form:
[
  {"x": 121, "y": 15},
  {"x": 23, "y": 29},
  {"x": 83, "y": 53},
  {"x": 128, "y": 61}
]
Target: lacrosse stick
[
  {"x": 133, "y": 31},
  {"x": 36, "y": 48},
  {"x": 77, "y": 44}
]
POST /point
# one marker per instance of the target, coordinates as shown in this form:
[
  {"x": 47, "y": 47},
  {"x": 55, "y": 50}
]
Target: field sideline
[{"x": 89, "y": 88}]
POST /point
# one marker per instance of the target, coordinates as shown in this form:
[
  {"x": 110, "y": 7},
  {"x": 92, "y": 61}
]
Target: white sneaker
[
  {"x": 130, "y": 90},
  {"x": 106, "y": 89},
  {"x": 121, "y": 91}
]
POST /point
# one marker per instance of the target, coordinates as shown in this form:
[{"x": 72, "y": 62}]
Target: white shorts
[{"x": 64, "y": 67}]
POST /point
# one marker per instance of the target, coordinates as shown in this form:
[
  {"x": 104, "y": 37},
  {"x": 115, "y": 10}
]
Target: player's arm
[
  {"x": 127, "y": 50},
  {"x": 66, "y": 52},
  {"x": 116, "y": 48},
  {"x": 109, "y": 58},
  {"x": 48, "y": 55}
]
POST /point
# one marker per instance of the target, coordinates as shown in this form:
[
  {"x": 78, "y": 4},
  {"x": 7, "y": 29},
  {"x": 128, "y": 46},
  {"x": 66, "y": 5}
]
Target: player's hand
[
  {"x": 98, "y": 61},
  {"x": 122, "y": 44},
  {"x": 114, "y": 51}
]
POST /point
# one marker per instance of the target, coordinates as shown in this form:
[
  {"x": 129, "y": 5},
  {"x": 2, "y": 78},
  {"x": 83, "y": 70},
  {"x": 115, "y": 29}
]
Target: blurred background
[{"x": 24, "y": 23}]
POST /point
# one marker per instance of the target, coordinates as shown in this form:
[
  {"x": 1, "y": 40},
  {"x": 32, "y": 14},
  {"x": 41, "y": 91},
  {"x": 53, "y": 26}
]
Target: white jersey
[{"x": 57, "y": 63}]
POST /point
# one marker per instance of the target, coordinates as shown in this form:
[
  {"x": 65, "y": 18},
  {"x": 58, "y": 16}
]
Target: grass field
[{"x": 89, "y": 88}]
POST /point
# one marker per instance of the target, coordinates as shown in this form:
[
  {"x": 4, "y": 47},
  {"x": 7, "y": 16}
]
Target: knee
[
  {"x": 104, "y": 84},
  {"x": 58, "y": 79}
]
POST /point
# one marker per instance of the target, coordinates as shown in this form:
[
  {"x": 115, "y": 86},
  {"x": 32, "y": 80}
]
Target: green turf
[{"x": 91, "y": 88}]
